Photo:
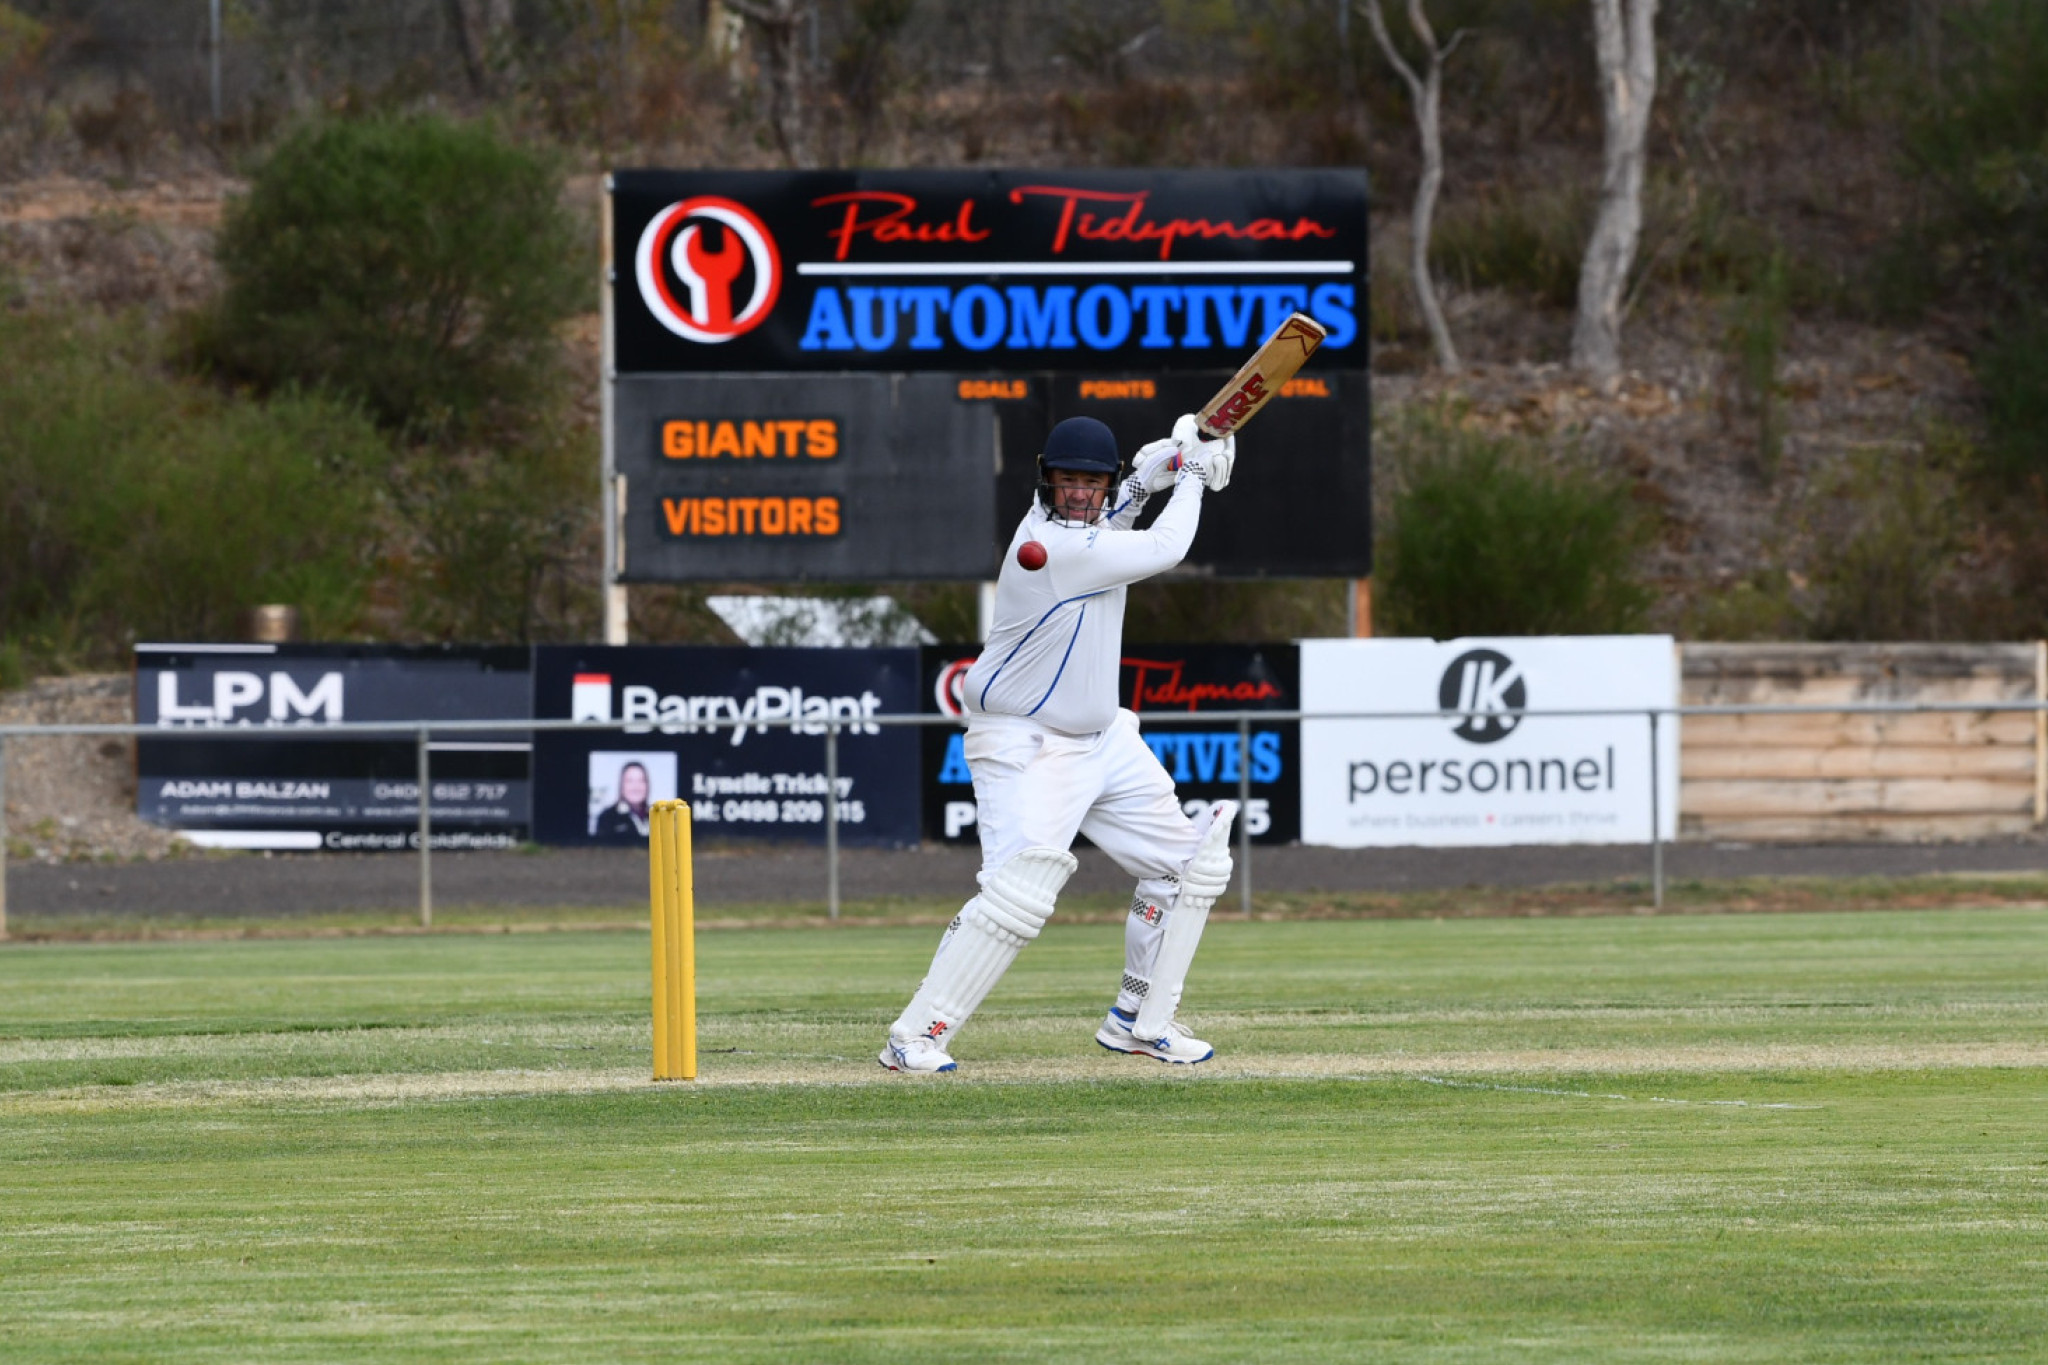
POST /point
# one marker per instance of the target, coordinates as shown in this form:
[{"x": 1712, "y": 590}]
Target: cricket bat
[{"x": 1258, "y": 382}]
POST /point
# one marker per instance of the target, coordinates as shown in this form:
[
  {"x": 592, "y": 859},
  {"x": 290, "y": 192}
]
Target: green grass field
[{"x": 1792, "y": 1137}]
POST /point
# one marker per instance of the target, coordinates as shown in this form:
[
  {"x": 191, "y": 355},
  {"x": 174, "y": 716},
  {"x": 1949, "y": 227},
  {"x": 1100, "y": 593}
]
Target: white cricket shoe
[
  {"x": 1178, "y": 1045},
  {"x": 918, "y": 1053}
]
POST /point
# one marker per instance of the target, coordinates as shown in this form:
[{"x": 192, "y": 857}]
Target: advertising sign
[
  {"x": 846, "y": 376},
  {"x": 697, "y": 735},
  {"x": 1156, "y": 681},
  {"x": 979, "y": 271},
  {"x": 1480, "y": 771},
  {"x": 295, "y": 789}
]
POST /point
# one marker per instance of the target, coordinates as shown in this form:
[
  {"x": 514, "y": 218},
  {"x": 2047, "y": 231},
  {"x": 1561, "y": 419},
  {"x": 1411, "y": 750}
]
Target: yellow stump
[{"x": 675, "y": 942}]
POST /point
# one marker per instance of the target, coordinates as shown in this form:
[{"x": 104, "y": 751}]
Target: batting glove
[
  {"x": 1212, "y": 461},
  {"x": 1155, "y": 465}
]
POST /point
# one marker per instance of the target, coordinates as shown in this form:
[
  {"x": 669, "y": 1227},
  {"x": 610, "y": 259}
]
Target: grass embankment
[{"x": 1787, "y": 1138}]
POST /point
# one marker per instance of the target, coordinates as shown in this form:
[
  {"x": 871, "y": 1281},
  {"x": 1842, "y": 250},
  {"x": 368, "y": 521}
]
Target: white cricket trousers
[{"x": 1037, "y": 788}]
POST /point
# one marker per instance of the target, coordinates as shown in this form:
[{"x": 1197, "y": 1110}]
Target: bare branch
[
  {"x": 1426, "y": 92},
  {"x": 1130, "y": 49},
  {"x": 1419, "y": 21},
  {"x": 779, "y": 23},
  {"x": 1371, "y": 10}
]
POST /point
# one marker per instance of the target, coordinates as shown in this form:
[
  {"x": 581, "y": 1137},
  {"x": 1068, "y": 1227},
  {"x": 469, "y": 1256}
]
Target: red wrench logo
[
  {"x": 951, "y": 687},
  {"x": 710, "y": 274},
  {"x": 675, "y": 250}
]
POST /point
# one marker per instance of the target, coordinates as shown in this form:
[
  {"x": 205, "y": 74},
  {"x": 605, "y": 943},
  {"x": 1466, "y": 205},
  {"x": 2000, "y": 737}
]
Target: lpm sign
[{"x": 294, "y": 787}]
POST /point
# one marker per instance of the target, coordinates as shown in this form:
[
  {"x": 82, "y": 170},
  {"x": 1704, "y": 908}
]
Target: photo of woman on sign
[
  {"x": 623, "y": 787},
  {"x": 628, "y": 815}
]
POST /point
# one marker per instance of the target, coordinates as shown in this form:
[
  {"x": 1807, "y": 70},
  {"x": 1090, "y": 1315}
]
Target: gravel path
[{"x": 259, "y": 885}]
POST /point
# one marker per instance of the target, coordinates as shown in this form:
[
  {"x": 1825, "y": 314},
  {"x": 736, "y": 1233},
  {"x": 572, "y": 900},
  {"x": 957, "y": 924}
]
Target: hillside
[{"x": 1776, "y": 406}]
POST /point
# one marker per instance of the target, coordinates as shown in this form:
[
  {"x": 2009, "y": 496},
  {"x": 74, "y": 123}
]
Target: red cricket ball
[{"x": 1031, "y": 555}]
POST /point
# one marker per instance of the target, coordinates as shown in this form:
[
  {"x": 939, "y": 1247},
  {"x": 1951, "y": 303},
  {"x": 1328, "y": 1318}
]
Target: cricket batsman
[{"x": 1052, "y": 754}]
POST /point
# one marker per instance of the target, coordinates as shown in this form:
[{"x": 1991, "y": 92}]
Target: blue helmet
[{"x": 1083, "y": 444}]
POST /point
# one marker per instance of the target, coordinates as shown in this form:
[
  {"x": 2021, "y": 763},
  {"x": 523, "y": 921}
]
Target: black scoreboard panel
[
  {"x": 864, "y": 477},
  {"x": 804, "y": 478},
  {"x": 1300, "y": 502}
]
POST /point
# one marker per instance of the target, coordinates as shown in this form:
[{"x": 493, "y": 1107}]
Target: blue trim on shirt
[
  {"x": 1081, "y": 616},
  {"x": 1139, "y": 494},
  {"x": 982, "y": 703}
]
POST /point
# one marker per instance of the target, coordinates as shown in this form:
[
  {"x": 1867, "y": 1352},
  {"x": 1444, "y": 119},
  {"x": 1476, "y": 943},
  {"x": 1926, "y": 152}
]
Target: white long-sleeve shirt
[{"x": 1056, "y": 645}]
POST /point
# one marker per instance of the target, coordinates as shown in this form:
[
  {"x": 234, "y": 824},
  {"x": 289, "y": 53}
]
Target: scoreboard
[{"x": 847, "y": 375}]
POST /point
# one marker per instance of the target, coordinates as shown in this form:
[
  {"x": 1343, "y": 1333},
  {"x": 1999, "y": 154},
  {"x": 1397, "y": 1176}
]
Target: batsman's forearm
[
  {"x": 1180, "y": 520},
  {"x": 1119, "y": 558}
]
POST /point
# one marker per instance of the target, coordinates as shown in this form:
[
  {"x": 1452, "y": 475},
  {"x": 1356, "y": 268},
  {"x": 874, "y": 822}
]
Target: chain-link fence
[{"x": 1654, "y": 719}]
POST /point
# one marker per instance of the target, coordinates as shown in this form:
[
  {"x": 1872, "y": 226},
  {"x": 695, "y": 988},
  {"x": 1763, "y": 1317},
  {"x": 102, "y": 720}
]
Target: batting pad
[
  {"x": 1204, "y": 879},
  {"x": 1014, "y": 904}
]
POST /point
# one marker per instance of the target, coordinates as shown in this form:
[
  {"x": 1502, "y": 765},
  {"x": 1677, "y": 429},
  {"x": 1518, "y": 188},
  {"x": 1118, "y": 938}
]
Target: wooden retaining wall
[{"x": 1955, "y": 775}]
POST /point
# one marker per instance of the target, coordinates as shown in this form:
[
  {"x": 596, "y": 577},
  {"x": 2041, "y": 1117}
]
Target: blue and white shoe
[
  {"x": 919, "y": 1053},
  {"x": 1178, "y": 1046}
]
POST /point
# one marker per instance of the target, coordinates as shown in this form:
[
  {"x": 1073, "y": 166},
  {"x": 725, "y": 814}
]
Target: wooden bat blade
[{"x": 1258, "y": 381}]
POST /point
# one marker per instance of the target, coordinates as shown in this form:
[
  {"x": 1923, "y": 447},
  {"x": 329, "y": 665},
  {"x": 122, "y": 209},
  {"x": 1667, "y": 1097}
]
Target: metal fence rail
[{"x": 423, "y": 732}]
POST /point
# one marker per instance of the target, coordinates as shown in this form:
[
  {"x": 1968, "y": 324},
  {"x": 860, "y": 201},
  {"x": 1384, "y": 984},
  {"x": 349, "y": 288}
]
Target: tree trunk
[
  {"x": 1927, "y": 39},
  {"x": 1625, "y": 47},
  {"x": 1424, "y": 216},
  {"x": 478, "y": 25},
  {"x": 780, "y": 24},
  {"x": 1426, "y": 93}
]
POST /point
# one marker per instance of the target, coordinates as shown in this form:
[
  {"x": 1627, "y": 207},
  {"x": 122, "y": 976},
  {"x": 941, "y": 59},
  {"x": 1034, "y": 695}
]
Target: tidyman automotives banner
[
  {"x": 295, "y": 788},
  {"x": 988, "y": 271},
  {"x": 1476, "y": 768},
  {"x": 847, "y": 376},
  {"x": 1157, "y": 682},
  {"x": 702, "y": 730}
]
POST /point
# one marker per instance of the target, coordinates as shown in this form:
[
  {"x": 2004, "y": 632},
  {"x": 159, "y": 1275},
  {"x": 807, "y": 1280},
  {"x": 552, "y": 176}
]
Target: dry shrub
[{"x": 1490, "y": 535}]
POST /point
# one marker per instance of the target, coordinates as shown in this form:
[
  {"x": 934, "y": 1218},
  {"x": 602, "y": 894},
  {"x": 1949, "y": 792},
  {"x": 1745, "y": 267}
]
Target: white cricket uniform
[
  {"x": 1050, "y": 751},
  {"x": 1052, "y": 755}
]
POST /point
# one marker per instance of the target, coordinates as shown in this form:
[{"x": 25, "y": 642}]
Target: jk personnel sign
[{"x": 1482, "y": 770}]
